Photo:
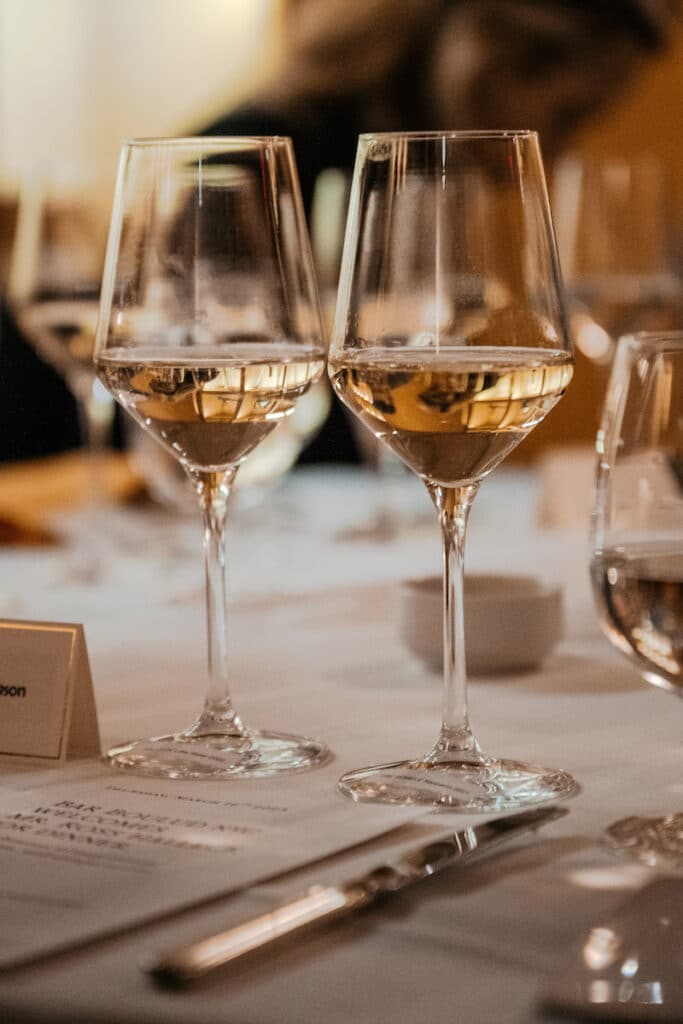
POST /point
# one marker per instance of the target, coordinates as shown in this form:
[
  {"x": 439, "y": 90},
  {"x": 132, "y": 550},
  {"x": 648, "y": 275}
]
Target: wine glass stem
[
  {"x": 95, "y": 408},
  {"x": 96, "y": 417},
  {"x": 455, "y": 741},
  {"x": 218, "y": 715}
]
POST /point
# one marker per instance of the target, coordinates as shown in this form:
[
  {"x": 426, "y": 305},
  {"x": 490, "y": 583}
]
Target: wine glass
[
  {"x": 614, "y": 219},
  {"x": 450, "y": 344},
  {"x": 53, "y": 290},
  {"x": 209, "y": 332},
  {"x": 637, "y": 538}
]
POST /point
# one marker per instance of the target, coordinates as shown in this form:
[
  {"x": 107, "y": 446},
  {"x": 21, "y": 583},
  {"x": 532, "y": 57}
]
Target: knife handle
[{"x": 182, "y": 966}]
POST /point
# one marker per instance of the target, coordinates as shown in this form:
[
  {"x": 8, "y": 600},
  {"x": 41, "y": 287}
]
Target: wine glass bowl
[
  {"x": 637, "y": 542},
  {"x": 637, "y": 526},
  {"x": 209, "y": 333},
  {"x": 450, "y": 344},
  {"x": 615, "y": 221},
  {"x": 53, "y": 291},
  {"x": 55, "y": 278}
]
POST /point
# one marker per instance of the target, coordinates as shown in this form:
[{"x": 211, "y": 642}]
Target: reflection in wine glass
[
  {"x": 168, "y": 483},
  {"x": 637, "y": 537},
  {"x": 209, "y": 333},
  {"x": 450, "y": 345},
  {"x": 54, "y": 292}
]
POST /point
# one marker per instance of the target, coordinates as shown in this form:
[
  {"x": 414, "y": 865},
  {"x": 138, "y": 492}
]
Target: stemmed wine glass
[
  {"x": 53, "y": 290},
  {"x": 637, "y": 539},
  {"x": 452, "y": 230},
  {"x": 615, "y": 230},
  {"x": 209, "y": 332},
  {"x": 615, "y": 224}
]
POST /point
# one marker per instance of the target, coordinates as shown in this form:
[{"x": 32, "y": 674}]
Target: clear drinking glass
[
  {"x": 615, "y": 224},
  {"x": 450, "y": 343},
  {"x": 209, "y": 332},
  {"x": 637, "y": 537},
  {"x": 53, "y": 289}
]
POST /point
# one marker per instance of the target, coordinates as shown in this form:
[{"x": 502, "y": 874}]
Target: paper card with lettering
[
  {"x": 89, "y": 857},
  {"x": 47, "y": 704}
]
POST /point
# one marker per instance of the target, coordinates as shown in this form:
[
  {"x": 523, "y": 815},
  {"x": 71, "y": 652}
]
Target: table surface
[{"x": 476, "y": 945}]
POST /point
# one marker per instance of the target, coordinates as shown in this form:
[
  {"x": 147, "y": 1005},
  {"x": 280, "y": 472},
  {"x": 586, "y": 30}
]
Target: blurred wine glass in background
[
  {"x": 616, "y": 236},
  {"x": 53, "y": 290},
  {"x": 637, "y": 542}
]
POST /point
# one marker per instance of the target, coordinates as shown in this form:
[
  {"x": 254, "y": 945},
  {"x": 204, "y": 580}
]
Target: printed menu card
[{"x": 90, "y": 853}]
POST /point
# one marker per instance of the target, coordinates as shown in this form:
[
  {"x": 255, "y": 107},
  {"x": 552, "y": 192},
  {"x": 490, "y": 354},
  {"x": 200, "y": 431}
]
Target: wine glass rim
[
  {"x": 454, "y": 134},
  {"x": 658, "y": 341},
  {"x": 208, "y": 141}
]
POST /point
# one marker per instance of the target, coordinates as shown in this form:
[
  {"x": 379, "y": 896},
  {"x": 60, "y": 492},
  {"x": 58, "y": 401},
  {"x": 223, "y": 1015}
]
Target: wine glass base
[
  {"x": 256, "y": 756},
  {"x": 655, "y": 841},
  {"x": 495, "y": 785}
]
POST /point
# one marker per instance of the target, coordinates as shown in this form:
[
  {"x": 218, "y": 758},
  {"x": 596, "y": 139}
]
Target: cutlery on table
[{"x": 324, "y": 903}]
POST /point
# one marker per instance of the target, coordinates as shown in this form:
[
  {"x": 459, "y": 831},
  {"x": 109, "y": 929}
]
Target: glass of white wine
[
  {"x": 209, "y": 332},
  {"x": 637, "y": 539},
  {"x": 450, "y": 343}
]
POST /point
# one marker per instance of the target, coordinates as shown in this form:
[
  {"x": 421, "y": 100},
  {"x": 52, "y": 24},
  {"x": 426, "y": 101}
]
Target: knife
[{"x": 180, "y": 967}]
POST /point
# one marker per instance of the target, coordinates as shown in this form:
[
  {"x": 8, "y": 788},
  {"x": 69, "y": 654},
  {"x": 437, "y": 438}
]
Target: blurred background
[
  {"x": 602, "y": 82},
  {"x": 78, "y": 76}
]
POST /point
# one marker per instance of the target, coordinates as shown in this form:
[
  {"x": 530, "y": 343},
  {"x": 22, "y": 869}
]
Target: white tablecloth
[{"x": 473, "y": 946}]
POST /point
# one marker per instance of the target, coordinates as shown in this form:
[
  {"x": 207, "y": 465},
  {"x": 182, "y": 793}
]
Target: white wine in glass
[
  {"x": 209, "y": 333},
  {"x": 450, "y": 344},
  {"x": 637, "y": 540}
]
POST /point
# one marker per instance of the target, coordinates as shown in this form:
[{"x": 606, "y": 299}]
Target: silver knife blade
[{"x": 180, "y": 967}]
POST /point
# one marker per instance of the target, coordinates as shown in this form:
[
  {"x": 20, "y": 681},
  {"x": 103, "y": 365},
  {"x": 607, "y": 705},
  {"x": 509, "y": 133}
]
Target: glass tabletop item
[
  {"x": 450, "y": 344},
  {"x": 615, "y": 221},
  {"x": 53, "y": 291},
  {"x": 209, "y": 333},
  {"x": 637, "y": 539}
]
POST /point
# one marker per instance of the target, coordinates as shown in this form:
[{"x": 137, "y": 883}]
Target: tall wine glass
[
  {"x": 615, "y": 225},
  {"x": 637, "y": 538},
  {"x": 53, "y": 290},
  {"x": 209, "y": 332},
  {"x": 452, "y": 231}
]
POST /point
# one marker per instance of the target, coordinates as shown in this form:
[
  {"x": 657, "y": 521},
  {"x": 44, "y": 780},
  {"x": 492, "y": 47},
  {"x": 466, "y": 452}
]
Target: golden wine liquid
[
  {"x": 451, "y": 414},
  {"x": 211, "y": 410},
  {"x": 640, "y": 601}
]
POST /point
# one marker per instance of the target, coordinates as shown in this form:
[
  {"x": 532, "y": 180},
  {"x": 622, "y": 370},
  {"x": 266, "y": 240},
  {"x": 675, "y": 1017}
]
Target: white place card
[{"x": 47, "y": 704}]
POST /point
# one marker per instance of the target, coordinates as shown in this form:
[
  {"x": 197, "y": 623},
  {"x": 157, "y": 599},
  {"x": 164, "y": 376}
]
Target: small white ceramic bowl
[{"x": 512, "y": 623}]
